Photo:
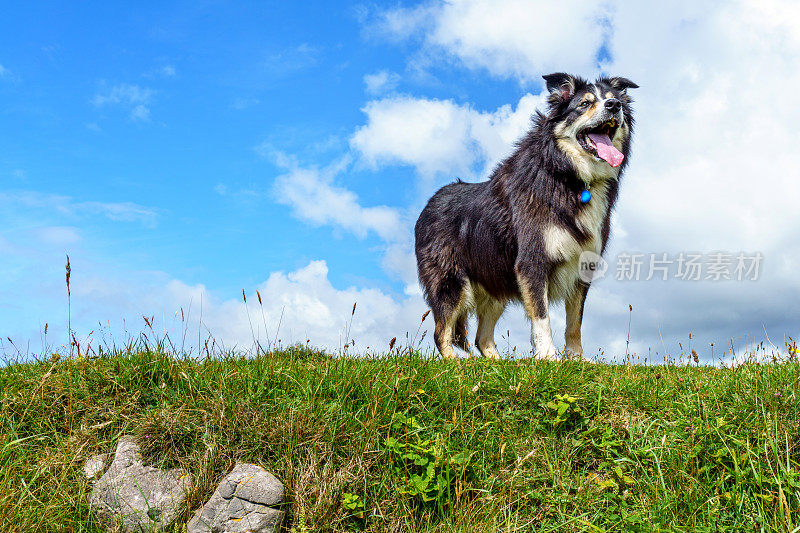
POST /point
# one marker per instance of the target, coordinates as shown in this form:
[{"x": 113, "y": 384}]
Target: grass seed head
[{"x": 69, "y": 271}]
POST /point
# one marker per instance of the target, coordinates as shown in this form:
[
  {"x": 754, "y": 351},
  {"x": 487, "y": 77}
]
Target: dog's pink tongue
[{"x": 606, "y": 150}]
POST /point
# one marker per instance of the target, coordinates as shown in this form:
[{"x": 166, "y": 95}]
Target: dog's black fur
[{"x": 481, "y": 245}]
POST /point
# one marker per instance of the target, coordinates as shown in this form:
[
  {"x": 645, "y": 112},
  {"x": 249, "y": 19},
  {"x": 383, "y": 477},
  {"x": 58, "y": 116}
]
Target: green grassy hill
[{"x": 416, "y": 443}]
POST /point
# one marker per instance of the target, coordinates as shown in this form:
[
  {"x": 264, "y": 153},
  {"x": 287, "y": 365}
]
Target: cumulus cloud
[
  {"x": 440, "y": 136},
  {"x": 711, "y": 146},
  {"x": 713, "y": 157},
  {"x": 296, "y": 307},
  {"x": 313, "y": 197},
  {"x": 509, "y": 38},
  {"x": 712, "y": 169},
  {"x": 314, "y": 309},
  {"x": 109, "y": 298},
  {"x": 307, "y": 307},
  {"x": 713, "y": 163},
  {"x": 699, "y": 179}
]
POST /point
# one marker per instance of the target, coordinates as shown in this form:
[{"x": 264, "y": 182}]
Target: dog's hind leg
[
  {"x": 460, "y": 337},
  {"x": 488, "y": 311},
  {"x": 449, "y": 308}
]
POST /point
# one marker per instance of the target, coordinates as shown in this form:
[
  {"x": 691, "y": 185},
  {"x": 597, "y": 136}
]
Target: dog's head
[{"x": 592, "y": 122}]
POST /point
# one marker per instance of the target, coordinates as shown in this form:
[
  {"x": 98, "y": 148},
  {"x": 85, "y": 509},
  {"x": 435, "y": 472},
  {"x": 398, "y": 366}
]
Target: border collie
[{"x": 519, "y": 235}]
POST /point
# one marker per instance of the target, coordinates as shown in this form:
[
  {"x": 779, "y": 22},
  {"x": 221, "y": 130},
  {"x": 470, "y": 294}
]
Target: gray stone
[
  {"x": 135, "y": 497},
  {"x": 95, "y": 465},
  {"x": 243, "y": 502}
]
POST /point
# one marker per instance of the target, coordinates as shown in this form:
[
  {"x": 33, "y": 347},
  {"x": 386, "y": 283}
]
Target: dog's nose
[{"x": 613, "y": 105}]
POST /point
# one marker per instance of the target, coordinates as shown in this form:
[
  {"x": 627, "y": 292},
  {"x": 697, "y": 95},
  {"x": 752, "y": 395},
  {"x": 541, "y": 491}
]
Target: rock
[
  {"x": 95, "y": 465},
  {"x": 135, "y": 497},
  {"x": 243, "y": 502}
]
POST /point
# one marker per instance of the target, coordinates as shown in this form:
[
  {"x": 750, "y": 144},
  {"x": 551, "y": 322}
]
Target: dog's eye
[{"x": 584, "y": 104}]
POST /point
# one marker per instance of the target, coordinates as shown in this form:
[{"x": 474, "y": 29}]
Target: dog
[{"x": 519, "y": 235}]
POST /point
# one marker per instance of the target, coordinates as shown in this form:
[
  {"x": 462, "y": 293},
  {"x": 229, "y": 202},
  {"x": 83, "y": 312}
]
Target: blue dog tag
[{"x": 586, "y": 196}]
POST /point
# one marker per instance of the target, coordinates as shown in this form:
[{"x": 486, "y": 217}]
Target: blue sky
[
  {"x": 185, "y": 150},
  {"x": 215, "y": 83}
]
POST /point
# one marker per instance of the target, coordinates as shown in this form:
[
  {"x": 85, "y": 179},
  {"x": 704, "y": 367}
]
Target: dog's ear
[
  {"x": 561, "y": 87},
  {"x": 622, "y": 84}
]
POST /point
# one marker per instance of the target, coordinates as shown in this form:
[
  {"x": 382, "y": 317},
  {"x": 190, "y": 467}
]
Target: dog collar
[{"x": 586, "y": 196}]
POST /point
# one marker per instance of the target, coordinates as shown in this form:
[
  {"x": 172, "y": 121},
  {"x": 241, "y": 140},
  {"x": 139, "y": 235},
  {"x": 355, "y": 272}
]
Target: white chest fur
[{"x": 562, "y": 247}]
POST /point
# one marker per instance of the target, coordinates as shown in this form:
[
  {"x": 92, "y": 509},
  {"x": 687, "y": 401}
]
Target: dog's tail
[{"x": 460, "y": 335}]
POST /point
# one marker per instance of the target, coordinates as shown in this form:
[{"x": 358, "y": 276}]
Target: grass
[{"x": 414, "y": 443}]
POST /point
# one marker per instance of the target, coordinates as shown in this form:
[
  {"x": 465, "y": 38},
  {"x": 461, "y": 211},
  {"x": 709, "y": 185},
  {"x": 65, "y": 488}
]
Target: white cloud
[
  {"x": 400, "y": 262},
  {"x": 308, "y": 306},
  {"x": 297, "y": 306},
  {"x": 440, "y": 136},
  {"x": 313, "y": 197},
  {"x": 133, "y": 97},
  {"x": 713, "y": 154},
  {"x": 382, "y": 81},
  {"x": 509, "y": 38},
  {"x": 713, "y": 168},
  {"x": 314, "y": 309},
  {"x": 399, "y": 24},
  {"x": 711, "y": 147},
  {"x": 3, "y": 71},
  {"x": 713, "y": 162},
  {"x": 110, "y": 298},
  {"x": 433, "y": 135},
  {"x": 69, "y": 206}
]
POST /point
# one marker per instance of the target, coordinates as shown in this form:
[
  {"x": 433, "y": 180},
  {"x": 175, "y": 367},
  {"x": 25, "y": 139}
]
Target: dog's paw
[
  {"x": 449, "y": 353},
  {"x": 546, "y": 353},
  {"x": 574, "y": 352},
  {"x": 489, "y": 351}
]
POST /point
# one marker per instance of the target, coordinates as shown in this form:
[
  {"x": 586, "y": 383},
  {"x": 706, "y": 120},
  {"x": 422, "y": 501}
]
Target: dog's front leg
[{"x": 532, "y": 281}]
